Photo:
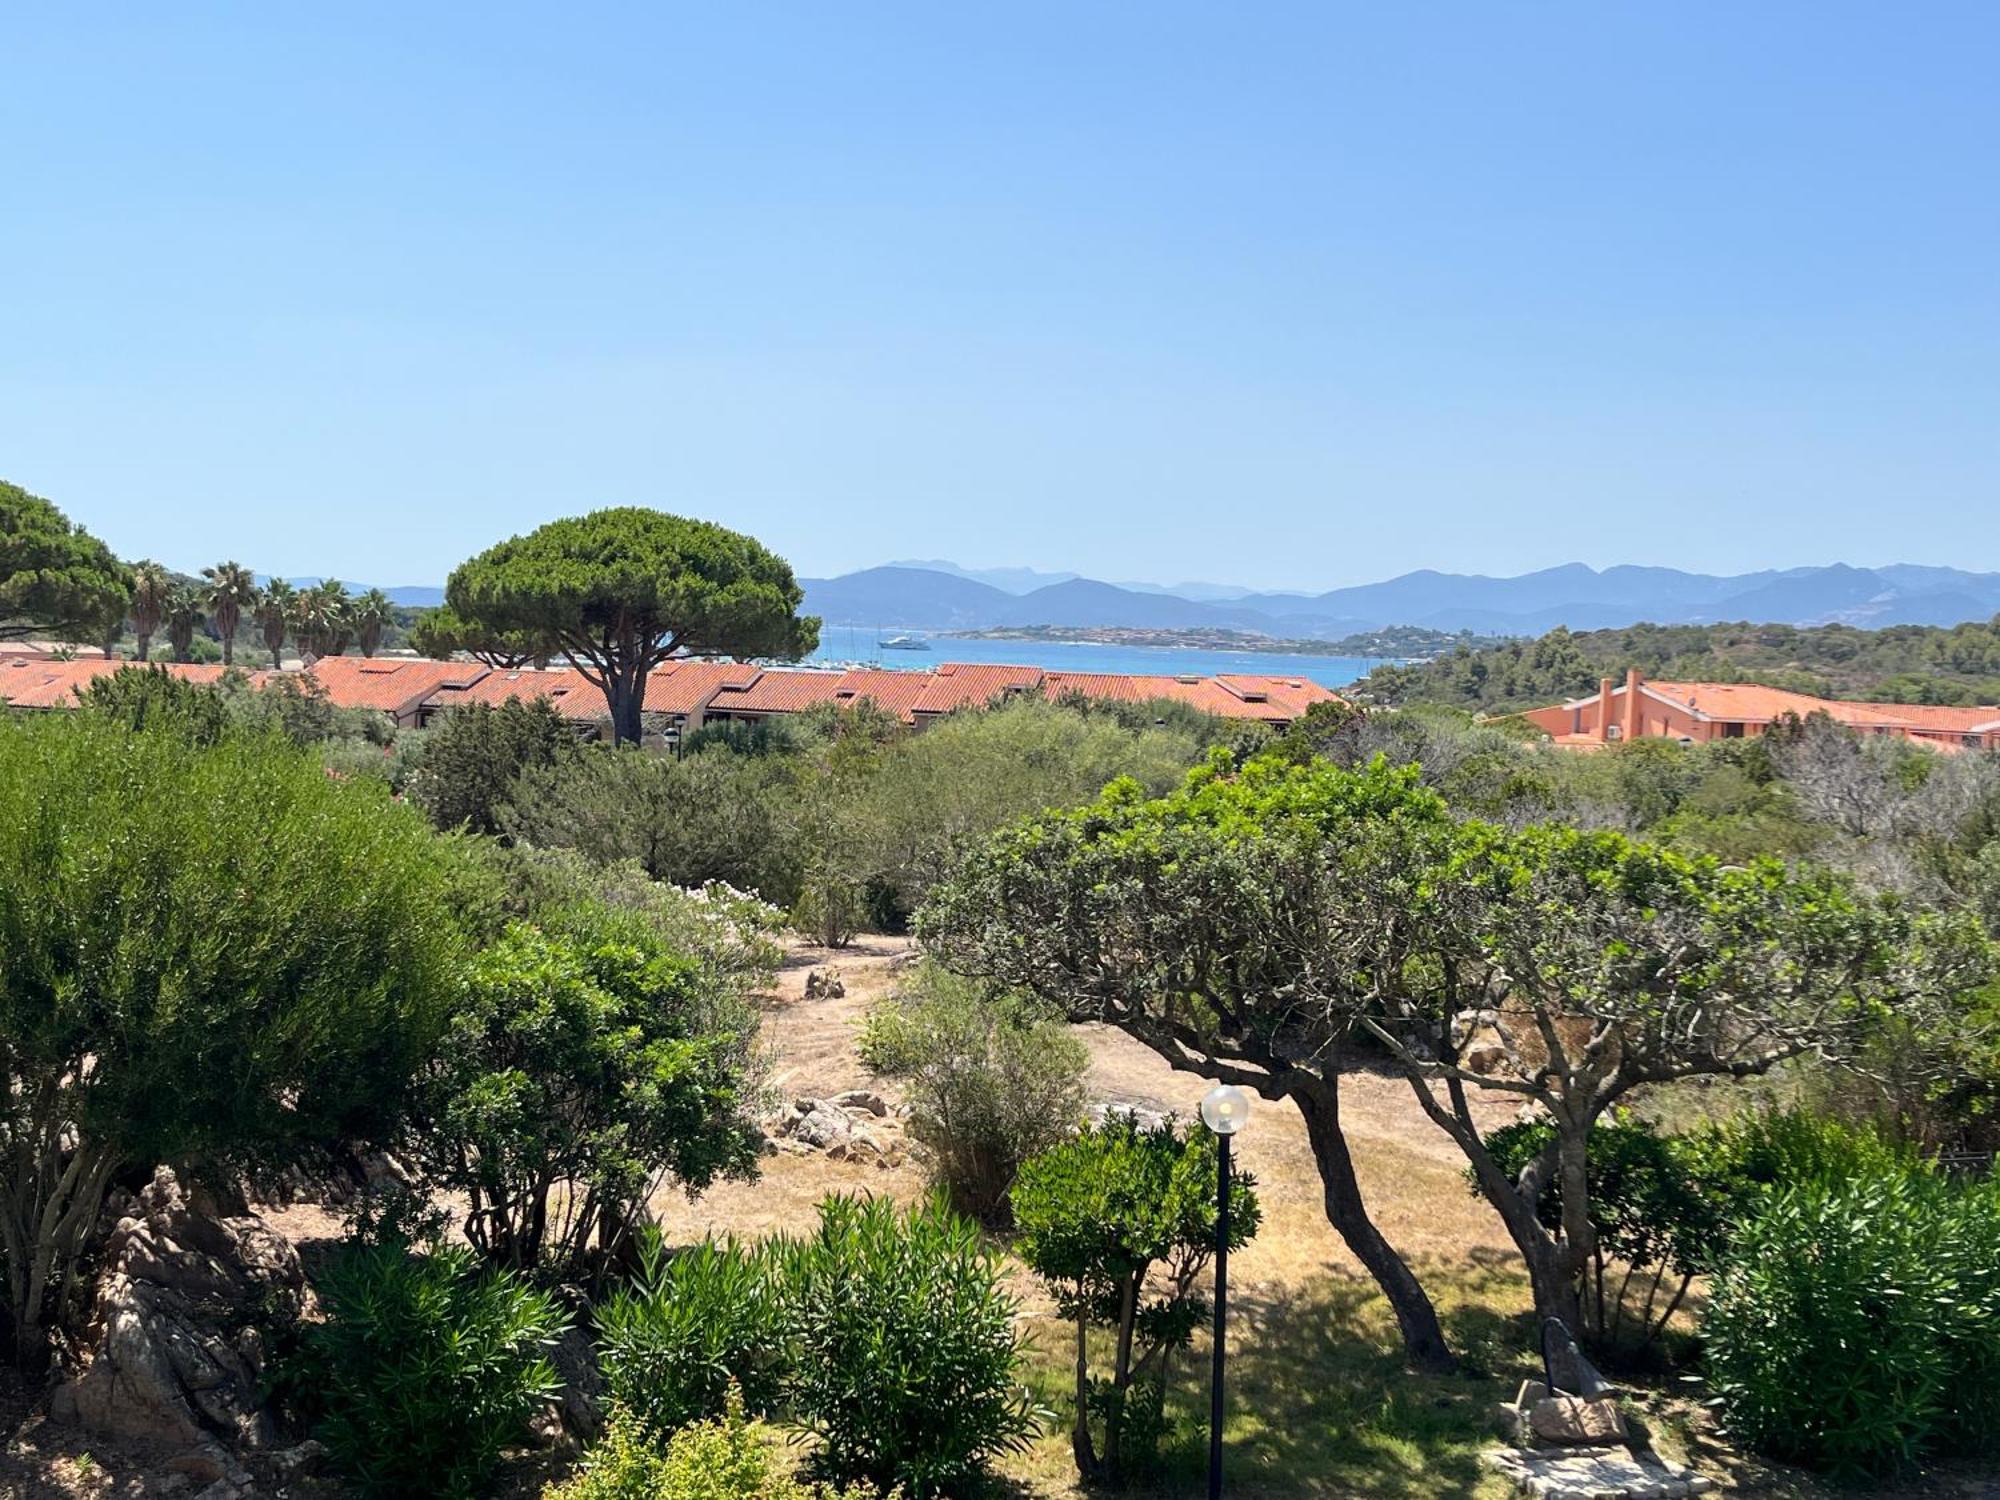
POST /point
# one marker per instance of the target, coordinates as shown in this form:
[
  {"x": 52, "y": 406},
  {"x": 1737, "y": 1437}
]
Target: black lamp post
[{"x": 1224, "y": 1109}]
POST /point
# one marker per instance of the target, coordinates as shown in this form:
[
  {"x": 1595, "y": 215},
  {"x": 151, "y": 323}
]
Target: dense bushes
[
  {"x": 688, "y": 1327},
  {"x": 1856, "y": 1326},
  {"x": 426, "y": 1366},
  {"x": 990, "y": 1080},
  {"x": 886, "y": 1334},
  {"x": 210, "y": 951},
  {"x": 472, "y": 757},
  {"x": 903, "y": 1347},
  {"x": 587, "y": 1062}
]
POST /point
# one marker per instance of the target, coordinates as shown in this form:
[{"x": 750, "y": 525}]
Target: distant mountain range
[
  {"x": 410, "y": 595},
  {"x": 943, "y": 596}
]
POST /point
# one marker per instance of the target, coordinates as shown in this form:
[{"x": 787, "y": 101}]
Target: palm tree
[
  {"x": 371, "y": 614},
  {"x": 151, "y": 585},
  {"x": 273, "y": 613},
  {"x": 183, "y": 617},
  {"x": 230, "y": 591},
  {"x": 323, "y": 618}
]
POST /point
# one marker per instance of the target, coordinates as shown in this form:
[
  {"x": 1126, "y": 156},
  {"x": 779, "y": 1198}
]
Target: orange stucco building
[{"x": 1695, "y": 712}]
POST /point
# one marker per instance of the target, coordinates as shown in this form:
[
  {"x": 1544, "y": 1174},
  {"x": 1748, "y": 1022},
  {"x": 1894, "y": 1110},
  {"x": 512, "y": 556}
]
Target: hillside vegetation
[{"x": 1900, "y": 664}]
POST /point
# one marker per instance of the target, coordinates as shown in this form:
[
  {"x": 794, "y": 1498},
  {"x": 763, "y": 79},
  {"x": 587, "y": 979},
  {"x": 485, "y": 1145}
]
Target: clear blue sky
[{"x": 1268, "y": 294}]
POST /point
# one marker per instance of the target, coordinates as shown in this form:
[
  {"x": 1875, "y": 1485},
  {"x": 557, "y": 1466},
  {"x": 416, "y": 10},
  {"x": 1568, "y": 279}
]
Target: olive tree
[
  {"x": 622, "y": 590},
  {"x": 212, "y": 952},
  {"x": 1197, "y": 923},
  {"x": 55, "y": 577}
]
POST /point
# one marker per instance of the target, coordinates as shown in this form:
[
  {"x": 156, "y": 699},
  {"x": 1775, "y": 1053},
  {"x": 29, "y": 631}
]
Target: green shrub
[
  {"x": 587, "y": 1064},
  {"x": 724, "y": 1459},
  {"x": 687, "y": 1328},
  {"x": 1120, "y": 1224},
  {"x": 1853, "y": 1326},
  {"x": 427, "y": 1366},
  {"x": 472, "y": 757},
  {"x": 210, "y": 952},
  {"x": 903, "y": 1346},
  {"x": 1657, "y": 1215},
  {"x": 990, "y": 1080}
]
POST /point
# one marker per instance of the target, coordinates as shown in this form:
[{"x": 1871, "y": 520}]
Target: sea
[{"x": 852, "y": 645}]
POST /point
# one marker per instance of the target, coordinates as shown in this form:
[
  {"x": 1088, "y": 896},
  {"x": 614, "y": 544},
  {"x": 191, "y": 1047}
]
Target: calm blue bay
[{"x": 849, "y": 645}]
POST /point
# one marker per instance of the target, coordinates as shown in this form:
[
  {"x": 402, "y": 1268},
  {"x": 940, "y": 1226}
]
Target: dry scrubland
[{"x": 1320, "y": 1405}]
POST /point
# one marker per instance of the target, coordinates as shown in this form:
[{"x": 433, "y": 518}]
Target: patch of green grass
[{"x": 1320, "y": 1403}]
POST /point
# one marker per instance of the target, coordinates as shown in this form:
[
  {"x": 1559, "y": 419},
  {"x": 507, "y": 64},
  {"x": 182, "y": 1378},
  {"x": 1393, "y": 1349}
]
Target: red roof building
[{"x": 1696, "y": 712}]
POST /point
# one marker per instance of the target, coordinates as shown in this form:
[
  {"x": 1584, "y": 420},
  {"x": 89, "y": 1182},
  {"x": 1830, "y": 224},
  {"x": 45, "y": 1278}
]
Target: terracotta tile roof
[
  {"x": 685, "y": 687},
  {"x": 390, "y": 684},
  {"x": 1121, "y": 687},
  {"x": 29, "y": 682},
  {"x": 891, "y": 691},
  {"x": 779, "y": 691},
  {"x": 957, "y": 684},
  {"x": 564, "y": 687}
]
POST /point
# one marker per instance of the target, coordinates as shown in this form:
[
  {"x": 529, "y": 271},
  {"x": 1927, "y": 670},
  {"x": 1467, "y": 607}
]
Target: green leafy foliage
[
  {"x": 903, "y": 1346},
  {"x": 472, "y": 756},
  {"x": 1120, "y": 1223},
  {"x": 55, "y": 577},
  {"x": 687, "y": 821},
  {"x": 152, "y": 698},
  {"x": 990, "y": 1079},
  {"x": 426, "y": 1366},
  {"x": 719, "y": 1459},
  {"x": 211, "y": 951},
  {"x": 1853, "y": 1325},
  {"x": 586, "y": 1063},
  {"x": 688, "y": 1328}
]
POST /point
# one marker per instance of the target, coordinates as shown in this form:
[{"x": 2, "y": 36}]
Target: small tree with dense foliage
[
  {"x": 622, "y": 590},
  {"x": 1120, "y": 1224},
  {"x": 211, "y": 951},
  {"x": 990, "y": 1080},
  {"x": 1853, "y": 1325},
  {"x": 152, "y": 698},
  {"x": 1200, "y": 924},
  {"x": 586, "y": 1065},
  {"x": 903, "y": 1349},
  {"x": 687, "y": 821}
]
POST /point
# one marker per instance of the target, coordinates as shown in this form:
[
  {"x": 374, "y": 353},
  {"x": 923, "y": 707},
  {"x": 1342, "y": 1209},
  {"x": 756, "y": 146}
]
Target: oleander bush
[
  {"x": 1854, "y": 1325},
  {"x": 691, "y": 1326},
  {"x": 426, "y": 1367},
  {"x": 903, "y": 1349}
]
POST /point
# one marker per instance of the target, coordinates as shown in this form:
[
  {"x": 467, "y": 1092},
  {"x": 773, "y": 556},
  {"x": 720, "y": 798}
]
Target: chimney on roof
[
  {"x": 1632, "y": 721},
  {"x": 1604, "y": 708}
]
